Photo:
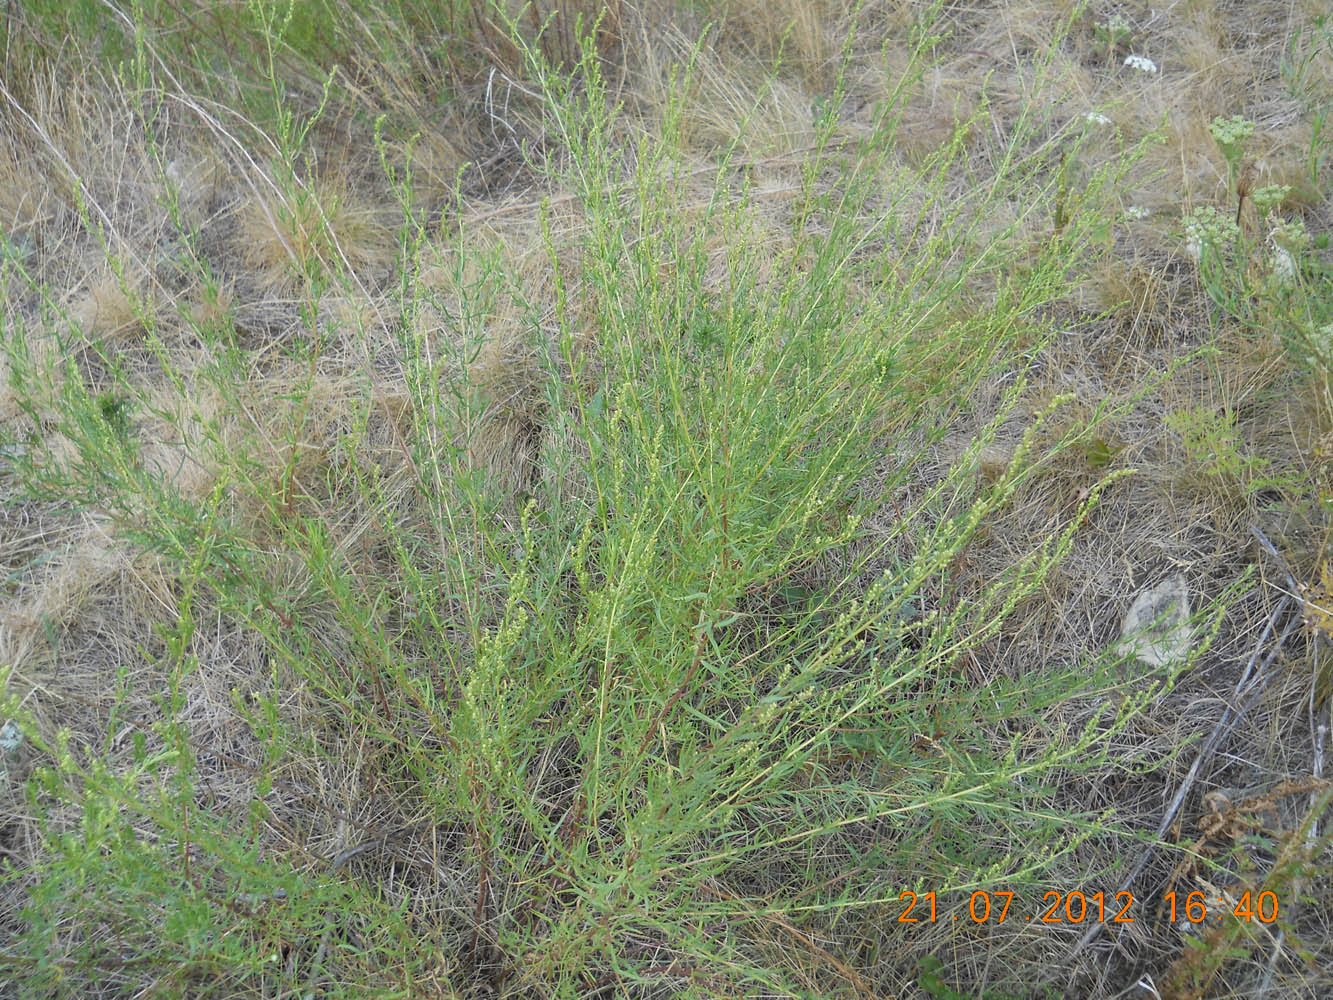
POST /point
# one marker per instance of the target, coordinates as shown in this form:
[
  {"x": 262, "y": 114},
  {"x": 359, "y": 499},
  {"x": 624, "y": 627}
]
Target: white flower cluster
[
  {"x": 1193, "y": 245},
  {"x": 1116, "y": 31},
  {"x": 1291, "y": 235},
  {"x": 1321, "y": 342},
  {"x": 1269, "y": 197},
  {"x": 1141, "y": 63},
  {"x": 1231, "y": 133},
  {"x": 1287, "y": 239},
  {"x": 1207, "y": 228},
  {"x": 11, "y": 738},
  {"x": 1284, "y": 265}
]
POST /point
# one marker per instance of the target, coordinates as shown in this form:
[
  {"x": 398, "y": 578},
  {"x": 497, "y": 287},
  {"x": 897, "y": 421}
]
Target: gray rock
[{"x": 1156, "y": 628}]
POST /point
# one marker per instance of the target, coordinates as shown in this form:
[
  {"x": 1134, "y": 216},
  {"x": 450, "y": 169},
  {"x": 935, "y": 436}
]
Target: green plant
[
  {"x": 1210, "y": 237},
  {"x": 932, "y": 983},
  {"x": 1307, "y": 48},
  {"x": 1113, "y": 34},
  {"x": 1276, "y": 284},
  {"x": 1215, "y": 451},
  {"x": 1212, "y": 443},
  {"x": 115, "y": 411},
  {"x": 1231, "y": 134},
  {"x": 1268, "y": 198}
]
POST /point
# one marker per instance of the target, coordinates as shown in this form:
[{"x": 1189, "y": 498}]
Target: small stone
[
  {"x": 1156, "y": 629},
  {"x": 11, "y": 738}
]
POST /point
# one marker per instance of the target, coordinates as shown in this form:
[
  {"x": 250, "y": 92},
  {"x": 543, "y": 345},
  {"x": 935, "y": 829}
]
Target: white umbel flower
[
  {"x": 1322, "y": 342},
  {"x": 1284, "y": 266},
  {"x": 1097, "y": 118},
  {"x": 1141, "y": 63},
  {"x": 1207, "y": 229},
  {"x": 1193, "y": 246}
]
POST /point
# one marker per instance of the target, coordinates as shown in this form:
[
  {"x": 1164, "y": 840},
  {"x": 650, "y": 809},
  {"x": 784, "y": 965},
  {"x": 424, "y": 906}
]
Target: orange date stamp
[{"x": 1077, "y": 907}]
